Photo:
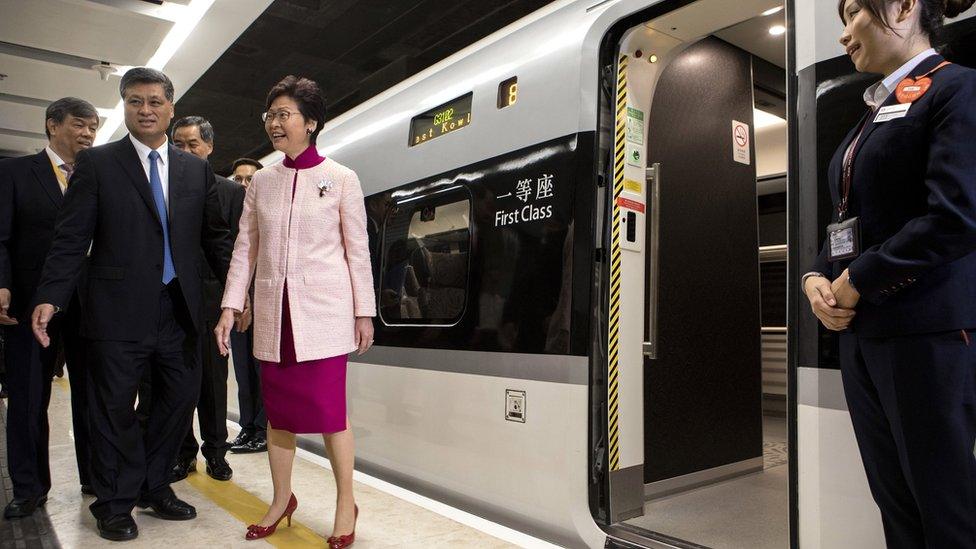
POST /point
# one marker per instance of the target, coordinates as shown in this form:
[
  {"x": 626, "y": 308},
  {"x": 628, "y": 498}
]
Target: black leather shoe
[
  {"x": 170, "y": 508},
  {"x": 87, "y": 490},
  {"x": 182, "y": 469},
  {"x": 23, "y": 507},
  {"x": 241, "y": 439},
  {"x": 251, "y": 445},
  {"x": 219, "y": 469},
  {"x": 118, "y": 528}
]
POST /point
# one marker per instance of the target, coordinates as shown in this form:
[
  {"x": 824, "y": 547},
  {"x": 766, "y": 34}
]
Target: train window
[
  {"x": 426, "y": 244},
  {"x": 508, "y": 92}
]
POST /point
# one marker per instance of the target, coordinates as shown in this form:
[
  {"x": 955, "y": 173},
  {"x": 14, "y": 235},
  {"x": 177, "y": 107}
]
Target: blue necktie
[{"x": 169, "y": 271}]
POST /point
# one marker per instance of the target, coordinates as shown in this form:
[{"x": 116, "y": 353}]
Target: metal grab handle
[{"x": 653, "y": 176}]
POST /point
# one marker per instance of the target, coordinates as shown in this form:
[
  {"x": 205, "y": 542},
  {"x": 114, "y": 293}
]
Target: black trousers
[
  {"x": 212, "y": 405},
  {"x": 126, "y": 462},
  {"x": 76, "y": 359},
  {"x": 28, "y": 381},
  {"x": 247, "y": 371},
  {"x": 913, "y": 404}
]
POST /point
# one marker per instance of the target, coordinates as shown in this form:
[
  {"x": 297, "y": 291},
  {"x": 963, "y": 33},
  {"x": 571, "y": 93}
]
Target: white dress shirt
[
  {"x": 875, "y": 95},
  {"x": 162, "y": 165}
]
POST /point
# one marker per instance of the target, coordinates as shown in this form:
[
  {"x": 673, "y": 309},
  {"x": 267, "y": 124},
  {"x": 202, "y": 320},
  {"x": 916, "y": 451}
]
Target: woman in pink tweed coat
[{"x": 303, "y": 236}]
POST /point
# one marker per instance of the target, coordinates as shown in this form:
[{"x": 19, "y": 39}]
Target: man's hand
[
  {"x": 847, "y": 297},
  {"x": 825, "y": 305},
  {"x": 39, "y": 320},
  {"x": 5, "y": 318}
]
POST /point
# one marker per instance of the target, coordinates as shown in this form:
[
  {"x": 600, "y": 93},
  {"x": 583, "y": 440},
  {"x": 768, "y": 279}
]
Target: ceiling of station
[
  {"x": 354, "y": 49},
  {"x": 48, "y": 49},
  {"x": 224, "y": 55}
]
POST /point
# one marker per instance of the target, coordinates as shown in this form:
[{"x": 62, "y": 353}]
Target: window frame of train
[{"x": 423, "y": 205}]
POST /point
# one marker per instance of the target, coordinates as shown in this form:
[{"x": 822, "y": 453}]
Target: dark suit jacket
[
  {"x": 110, "y": 201},
  {"x": 231, "y": 197},
  {"x": 914, "y": 190},
  {"x": 30, "y": 198}
]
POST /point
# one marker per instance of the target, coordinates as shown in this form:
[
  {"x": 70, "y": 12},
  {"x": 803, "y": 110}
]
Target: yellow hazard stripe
[{"x": 613, "y": 356}]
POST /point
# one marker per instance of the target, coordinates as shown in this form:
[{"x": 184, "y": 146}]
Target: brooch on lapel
[{"x": 324, "y": 186}]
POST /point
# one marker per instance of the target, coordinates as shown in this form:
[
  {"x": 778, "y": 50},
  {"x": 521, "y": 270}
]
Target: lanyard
[{"x": 848, "y": 167}]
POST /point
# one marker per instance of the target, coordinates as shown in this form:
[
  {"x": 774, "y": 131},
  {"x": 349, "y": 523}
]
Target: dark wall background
[{"x": 354, "y": 49}]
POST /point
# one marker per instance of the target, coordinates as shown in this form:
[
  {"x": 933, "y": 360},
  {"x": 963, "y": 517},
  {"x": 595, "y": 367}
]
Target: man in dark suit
[
  {"x": 254, "y": 424},
  {"x": 195, "y": 135},
  {"x": 149, "y": 208},
  {"x": 31, "y": 194}
]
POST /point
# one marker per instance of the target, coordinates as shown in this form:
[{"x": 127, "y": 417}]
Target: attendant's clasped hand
[{"x": 832, "y": 302}]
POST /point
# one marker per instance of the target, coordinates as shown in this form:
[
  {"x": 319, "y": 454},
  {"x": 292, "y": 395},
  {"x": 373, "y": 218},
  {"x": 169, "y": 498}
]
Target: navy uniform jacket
[
  {"x": 110, "y": 201},
  {"x": 914, "y": 190}
]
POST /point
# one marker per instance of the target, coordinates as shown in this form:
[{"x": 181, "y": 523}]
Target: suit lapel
[
  {"x": 925, "y": 66},
  {"x": 44, "y": 172},
  {"x": 128, "y": 158},
  {"x": 177, "y": 186}
]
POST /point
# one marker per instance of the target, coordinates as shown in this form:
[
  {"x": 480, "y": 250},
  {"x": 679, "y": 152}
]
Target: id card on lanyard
[{"x": 844, "y": 236}]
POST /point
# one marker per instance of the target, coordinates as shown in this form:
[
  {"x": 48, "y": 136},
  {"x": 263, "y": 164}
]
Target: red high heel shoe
[
  {"x": 341, "y": 542},
  {"x": 257, "y": 532}
]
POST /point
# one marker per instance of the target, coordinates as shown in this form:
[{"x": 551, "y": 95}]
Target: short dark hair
[
  {"x": 934, "y": 12},
  {"x": 145, "y": 75},
  {"x": 246, "y": 162},
  {"x": 206, "y": 128},
  {"x": 308, "y": 95},
  {"x": 60, "y": 109}
]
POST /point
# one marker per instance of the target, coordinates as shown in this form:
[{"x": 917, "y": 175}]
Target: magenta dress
[{"x": 310, "y": 396}]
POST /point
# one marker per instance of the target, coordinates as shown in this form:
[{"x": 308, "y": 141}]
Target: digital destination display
[{"x": 444, "y": 119}]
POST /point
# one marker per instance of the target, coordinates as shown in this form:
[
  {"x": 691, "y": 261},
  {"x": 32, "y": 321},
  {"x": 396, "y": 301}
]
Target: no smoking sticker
[{"x": 740, "y": 142}]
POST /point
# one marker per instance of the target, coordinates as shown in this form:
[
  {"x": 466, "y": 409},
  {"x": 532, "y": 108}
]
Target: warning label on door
[
  {"x": 740, "y": 142},
  {"x": 635, "y": 125}
]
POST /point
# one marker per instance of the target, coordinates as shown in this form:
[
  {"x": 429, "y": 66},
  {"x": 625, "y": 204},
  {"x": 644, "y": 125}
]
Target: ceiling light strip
[{"x": 183, "y": 26}]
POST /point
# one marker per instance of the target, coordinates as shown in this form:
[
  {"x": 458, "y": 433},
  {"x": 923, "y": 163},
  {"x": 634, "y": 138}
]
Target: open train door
[{"x": 683, "y": 368}]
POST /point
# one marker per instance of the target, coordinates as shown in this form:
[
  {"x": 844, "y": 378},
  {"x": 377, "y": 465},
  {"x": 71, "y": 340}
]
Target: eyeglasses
[{"x": 282, "y": 116}]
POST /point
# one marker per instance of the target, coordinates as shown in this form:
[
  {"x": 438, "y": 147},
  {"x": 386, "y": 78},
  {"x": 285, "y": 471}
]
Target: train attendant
[
  {"x": 303, "y": 237},
  {"x": 897, "y": 272}
]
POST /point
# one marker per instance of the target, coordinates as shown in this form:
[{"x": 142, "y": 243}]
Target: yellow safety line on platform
[
  {"x": 243, "y": 505},
  {"x": 249, "y": 509}
]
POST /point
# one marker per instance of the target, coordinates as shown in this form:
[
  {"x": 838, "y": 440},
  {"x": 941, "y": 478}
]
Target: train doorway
[{"x": 696, "y": 244}]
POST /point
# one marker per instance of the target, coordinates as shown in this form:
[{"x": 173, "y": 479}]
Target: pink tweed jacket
[{"x": 318, "y": 244}]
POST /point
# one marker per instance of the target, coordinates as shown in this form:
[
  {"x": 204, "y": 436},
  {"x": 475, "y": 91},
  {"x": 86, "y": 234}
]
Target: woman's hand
[
  {"x": 243, "y": 321},
  {"x": 222, "y": 331},
  {"x": 364, "y": 334},
  {"x": 824, "y": 304},
  {"x": 845, "y": 293}
]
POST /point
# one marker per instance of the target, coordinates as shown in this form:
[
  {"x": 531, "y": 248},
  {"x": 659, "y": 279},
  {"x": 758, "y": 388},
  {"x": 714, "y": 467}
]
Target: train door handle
[{"x": 653, "y": 177}]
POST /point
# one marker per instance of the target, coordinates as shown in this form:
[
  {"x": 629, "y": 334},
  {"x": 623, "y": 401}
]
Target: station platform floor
[{"x": 389, "y": 516}]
